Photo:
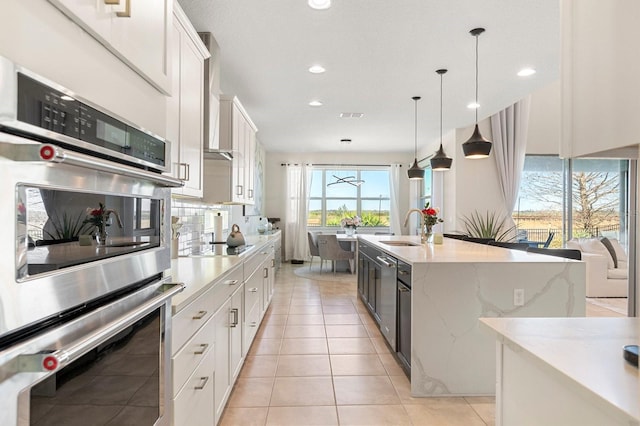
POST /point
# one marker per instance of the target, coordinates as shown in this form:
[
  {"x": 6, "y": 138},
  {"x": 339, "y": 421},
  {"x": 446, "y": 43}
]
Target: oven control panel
[{"x": 47, "y": 108}]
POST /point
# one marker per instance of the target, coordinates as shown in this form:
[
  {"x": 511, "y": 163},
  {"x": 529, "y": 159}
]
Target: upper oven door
[{"x": 76, "y": 228}]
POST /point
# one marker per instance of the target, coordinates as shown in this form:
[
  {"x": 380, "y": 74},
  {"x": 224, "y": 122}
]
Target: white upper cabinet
[
  {"x": 185, "y": 108},
  {"x": 233, "y": 182},
  {"x": 136, "y": 31}
]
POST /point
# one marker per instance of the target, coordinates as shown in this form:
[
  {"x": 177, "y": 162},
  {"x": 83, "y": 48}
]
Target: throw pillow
[
  {"x": 612, "y": 251},
  {"x": 593, "y": 245}
]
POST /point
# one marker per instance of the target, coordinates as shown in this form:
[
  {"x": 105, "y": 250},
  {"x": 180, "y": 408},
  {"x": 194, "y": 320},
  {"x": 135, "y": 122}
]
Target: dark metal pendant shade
[
  {"x": 440, "y": 161},
  {"x": 415, "y": 172},
  {"x": 477, "y": 146}
]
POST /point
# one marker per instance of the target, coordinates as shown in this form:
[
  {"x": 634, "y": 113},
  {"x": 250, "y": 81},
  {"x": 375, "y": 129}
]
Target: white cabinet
[
  {"x": 185, "y": 108},
  {"x": 229, "y": 358},
  {"x": 233, "y": 182},
  {"x": 135, "y": 31}
]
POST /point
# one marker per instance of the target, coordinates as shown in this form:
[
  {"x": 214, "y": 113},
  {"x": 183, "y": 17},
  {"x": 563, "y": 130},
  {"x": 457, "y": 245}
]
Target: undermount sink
[{"x": 399, "y": 243}]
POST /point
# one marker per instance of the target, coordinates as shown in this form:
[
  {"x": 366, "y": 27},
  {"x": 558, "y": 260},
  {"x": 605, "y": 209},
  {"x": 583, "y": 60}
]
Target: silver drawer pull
[
  {"x": 234, "y": 317},
  {"x": 203, "y": 383},
  {"x": 253, "y": 324},
  {"x": 401, "y": 272},
  {"x": 200, "y": 315},
  {"x": 203, "y": 349},
  {"x": 231, "y": 282},
  {"x": 253, "y": 290}
]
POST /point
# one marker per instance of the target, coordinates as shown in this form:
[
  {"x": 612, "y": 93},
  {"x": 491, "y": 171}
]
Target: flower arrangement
[
  {"x": 100, "y": 219},
  {"x": 350, "y": 222},
  {"x": 21, "y": 213},
  {"x": 431, "y": 216}
]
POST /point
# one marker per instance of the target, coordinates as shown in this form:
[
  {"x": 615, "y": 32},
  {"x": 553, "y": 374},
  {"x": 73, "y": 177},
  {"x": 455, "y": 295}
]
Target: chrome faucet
[{"x": 423, "y": 237}]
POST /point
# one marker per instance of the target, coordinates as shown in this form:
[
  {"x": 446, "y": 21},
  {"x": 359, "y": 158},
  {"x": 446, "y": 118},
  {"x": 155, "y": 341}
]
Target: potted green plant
[{"x": 489, "y": 225}]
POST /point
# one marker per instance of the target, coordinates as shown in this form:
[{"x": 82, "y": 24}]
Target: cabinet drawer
[
  {"x": 251, "y": 325},
  {"x": 186, "y": 322},
  {"x": 191, "y": 354},
  {"x": 251, "y": 265},
  {"x": 193, "y": 404}
]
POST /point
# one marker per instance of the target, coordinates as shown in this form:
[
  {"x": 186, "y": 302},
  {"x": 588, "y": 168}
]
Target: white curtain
[
  {"x": 394, "y": 200},
  {"x": 509, "y": 130},
  {"x": 296, "y": 212}
]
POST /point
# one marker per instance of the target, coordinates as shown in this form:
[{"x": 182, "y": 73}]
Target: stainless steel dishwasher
[
  {"x": 404, "y": 316},
  {"x": 386, "y": 303}
]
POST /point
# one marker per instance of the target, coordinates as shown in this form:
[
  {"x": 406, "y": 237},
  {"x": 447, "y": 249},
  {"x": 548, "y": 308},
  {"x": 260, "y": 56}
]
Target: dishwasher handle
[{"x": 385, "y": 262}]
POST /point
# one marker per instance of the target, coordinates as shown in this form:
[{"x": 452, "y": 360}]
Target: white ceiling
[{"x": 378, "y": 54}]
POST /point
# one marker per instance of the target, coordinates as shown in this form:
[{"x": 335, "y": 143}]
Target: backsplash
[{"x": 197, "y": 224}]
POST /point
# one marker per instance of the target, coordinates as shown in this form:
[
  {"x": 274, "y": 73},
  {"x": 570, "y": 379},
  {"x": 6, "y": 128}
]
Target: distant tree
[{"x": 595, "y": 195}]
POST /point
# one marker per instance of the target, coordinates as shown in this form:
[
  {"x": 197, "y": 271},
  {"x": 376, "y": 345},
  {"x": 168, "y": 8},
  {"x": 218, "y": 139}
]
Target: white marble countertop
[
  {"x": 586, "y": 352},
  {"x": 453, "y": 251},
  {"x": 199, "y": 272}
]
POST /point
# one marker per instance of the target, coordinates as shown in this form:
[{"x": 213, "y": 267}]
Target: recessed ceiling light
[
  {"x": 315, "y": 103},
  {"x": 473, "y": 105},
  {"x": 319, "y": 4},
  {"x": 316, "y": 69},
  {"x": 526, "y": 72}
]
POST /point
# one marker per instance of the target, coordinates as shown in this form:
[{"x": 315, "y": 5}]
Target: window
[
  {"x": 427, "y": 185},
  {"x": 339, "y": 193},
  {"x": 574, "y": 198}
]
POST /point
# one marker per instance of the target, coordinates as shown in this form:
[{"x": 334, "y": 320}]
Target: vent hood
[{"x": 212, "y": 148}]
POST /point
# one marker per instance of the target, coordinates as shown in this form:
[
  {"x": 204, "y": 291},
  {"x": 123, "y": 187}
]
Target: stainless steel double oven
[{"x": 85, "y": 313}]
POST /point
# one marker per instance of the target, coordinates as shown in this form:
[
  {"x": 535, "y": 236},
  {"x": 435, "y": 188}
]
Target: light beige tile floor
[{"x": 319, "y": 359}]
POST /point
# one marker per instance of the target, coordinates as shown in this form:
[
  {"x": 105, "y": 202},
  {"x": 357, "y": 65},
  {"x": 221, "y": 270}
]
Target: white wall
[
  {"x": 38, "y": 36},
  {"x": 544, "y": 121}
]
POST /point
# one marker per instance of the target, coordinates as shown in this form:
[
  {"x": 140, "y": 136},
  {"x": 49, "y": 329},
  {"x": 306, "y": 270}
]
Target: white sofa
[{"x": 604, "y": 277}]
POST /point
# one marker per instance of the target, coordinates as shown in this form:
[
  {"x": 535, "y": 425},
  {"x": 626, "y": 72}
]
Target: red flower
[
  {"x": 430, "y": 211},
  {"x": 96, "y": 212}
]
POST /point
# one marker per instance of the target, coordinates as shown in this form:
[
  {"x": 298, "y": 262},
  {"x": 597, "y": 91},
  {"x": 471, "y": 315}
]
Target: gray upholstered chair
[
  {"x": 313, "y": 246},
  {"x": 331, "y": 250}
]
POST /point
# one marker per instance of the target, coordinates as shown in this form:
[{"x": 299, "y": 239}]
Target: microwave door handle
[
  {"x": 46, "y": 361},
  {"x": 54, "y": 154}
]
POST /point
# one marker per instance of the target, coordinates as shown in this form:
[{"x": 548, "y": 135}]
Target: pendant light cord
[
  {"x": 477, "y": 106},
  {"x": 415, "y": 145},
  {"x": 441, "y": 110}
]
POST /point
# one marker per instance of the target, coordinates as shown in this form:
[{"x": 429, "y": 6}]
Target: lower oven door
[{"x": 108, "y": 367}]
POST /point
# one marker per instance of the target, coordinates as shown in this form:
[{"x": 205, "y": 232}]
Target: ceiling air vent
[{"x": 351, "y": 115}]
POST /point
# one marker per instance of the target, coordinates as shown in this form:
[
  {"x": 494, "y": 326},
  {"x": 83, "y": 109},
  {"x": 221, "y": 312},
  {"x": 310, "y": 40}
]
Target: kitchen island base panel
[{"x": 451, "y": 355}]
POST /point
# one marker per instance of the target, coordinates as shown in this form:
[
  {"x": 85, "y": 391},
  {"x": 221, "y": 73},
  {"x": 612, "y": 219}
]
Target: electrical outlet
[{"x": 518, "y": 296}]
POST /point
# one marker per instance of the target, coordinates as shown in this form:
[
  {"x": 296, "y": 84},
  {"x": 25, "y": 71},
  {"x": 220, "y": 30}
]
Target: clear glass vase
[
  {"x": 428, "y": 233},
  {"x": 101, "y": 235},
  {"x": 349, "y": 230}
]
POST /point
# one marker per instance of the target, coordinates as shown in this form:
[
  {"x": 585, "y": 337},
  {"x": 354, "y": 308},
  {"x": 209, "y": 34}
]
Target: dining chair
[
  {"x": 330, "y": 249},
  {"x": 566, "y": 253},
  {"x": 313, "y": 246}
]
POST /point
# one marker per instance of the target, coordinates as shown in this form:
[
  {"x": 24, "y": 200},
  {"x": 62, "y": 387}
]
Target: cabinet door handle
[
  {"x": 403, "y": 289},
  {"x": 253, "y": 289},
  {"x": 265, "y": 273},
  {"x": 203, "y": 383},
  {"x": 181, "y": 175},
  {"x": 250, "y": 193},
  {"x": 200, "y": 315},
  {"x": 111, "y": 1},
  {"x": 234, "y": 317},
  {"x": 127, "y": 10},
  {"x": 385, "y": 262},
  {"x": 402, "y": 272},
  {"x": 203, "y": 348},
  {"x": 239, "y": 190},
  {"x": 253, "y": 324},
  {"x": 273, "y": 263},
  {"x": 231, "y": 282},
  {"x": 188, "y": 171}
]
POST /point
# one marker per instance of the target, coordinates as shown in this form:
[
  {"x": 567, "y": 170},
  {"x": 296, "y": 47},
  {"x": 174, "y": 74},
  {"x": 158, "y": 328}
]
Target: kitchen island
[
  {"x": 456, "y": 283},
  {"x": 565, "y": 371}
]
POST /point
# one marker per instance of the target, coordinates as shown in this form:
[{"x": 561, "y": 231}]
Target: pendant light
[
  {"x": 477, "y": 146},
  {"x": 440, "y": 161},
  {"x": 415, "y": 172}
]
